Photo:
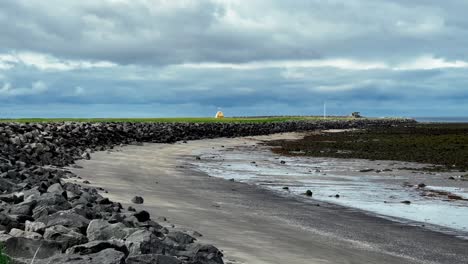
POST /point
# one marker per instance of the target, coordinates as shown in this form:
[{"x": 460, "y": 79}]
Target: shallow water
[{"x": 379, "y": 193}]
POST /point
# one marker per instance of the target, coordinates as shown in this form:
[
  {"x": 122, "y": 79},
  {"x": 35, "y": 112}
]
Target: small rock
[
  {"x": 421, "y": 185},
  {"x": 286, "y": 188},
  {"x": 406, "y": 202},
  {"x": 131, "y": 209},
  {"x": 283, "y": 162},
  {"x": 308, "y": 193},
  {"x": 137, "y": 200}
]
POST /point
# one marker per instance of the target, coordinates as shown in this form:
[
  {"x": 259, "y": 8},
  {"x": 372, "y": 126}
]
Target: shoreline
[{"x": 253, "y": 225}]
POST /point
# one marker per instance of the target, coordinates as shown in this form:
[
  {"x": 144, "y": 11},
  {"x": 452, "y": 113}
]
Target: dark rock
[
  {"x": 131, "y": 209},
  {"x": 308, "y": 193},
  {"x": 152, "y": 259},
  {"x": 366, "y": 170},
  {"x": 421, "y": 185},
  {"x": 180, "y": 237},
  {"x": 203, "y": 254},
  {"x": 285, "y": 188},
  {"x": 142, "y": 216},
  {"x": 406, "y": 202},
  {"x": 283, "y": 162},
  {"x": 137, "y": 200},
  {"x": 66, "y": 218}
]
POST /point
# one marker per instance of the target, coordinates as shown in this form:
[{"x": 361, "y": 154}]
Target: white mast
[{"x": 325, "y": 110}]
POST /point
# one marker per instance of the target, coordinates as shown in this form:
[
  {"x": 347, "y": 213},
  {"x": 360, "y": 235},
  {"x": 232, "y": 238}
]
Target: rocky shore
[{"x": 51, "y": 220}]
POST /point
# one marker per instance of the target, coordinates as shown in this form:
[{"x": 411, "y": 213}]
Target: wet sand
[{"x": 255, "y": 225}]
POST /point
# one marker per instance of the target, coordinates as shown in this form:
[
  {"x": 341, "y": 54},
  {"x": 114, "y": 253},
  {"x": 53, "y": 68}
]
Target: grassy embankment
[
  {"x": 179, "y": 119},
  {"x": 440, "y": 144}
]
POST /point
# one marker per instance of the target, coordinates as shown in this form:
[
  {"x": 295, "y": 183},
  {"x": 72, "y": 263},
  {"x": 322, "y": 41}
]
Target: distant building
[
  {"x": 219, "y": 114},
  {"x": 356, "y": 115}
]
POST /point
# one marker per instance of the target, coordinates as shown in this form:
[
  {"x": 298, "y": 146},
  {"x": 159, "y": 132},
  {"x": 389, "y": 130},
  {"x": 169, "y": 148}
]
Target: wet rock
[
  {"x": 421, "y": 185},
  {"x": 137, "y": 200},
  {"x": 406, "y": 202},
  {"x": 308, "y": 193},
  {"x": 142, "y": 216},
  {"x": 366, "y": 170},
  {"x": 285, "y": 188},
  {"x": 283, "y": 162}
]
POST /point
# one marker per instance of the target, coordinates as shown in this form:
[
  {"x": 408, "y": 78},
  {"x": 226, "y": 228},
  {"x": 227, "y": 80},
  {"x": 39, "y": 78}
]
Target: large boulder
[
  {"x": 66, "y": 218},
  {"x": 20, "y": 247},
  {"x": 144, "y": 242},
  {"x": 37, "y": 227},
  {"x": 97, "y": 246},
  {"x": 180, "y": 237},
  {"x": 99, "y": 229},
  {"x": 26, "y": 234},
  {"x": 53, "y": 200},
  {"x": 66, "y": 236},
  {"x": 106, "y": 256},
  {"x": 202, "y": 254},
  {"x": 23, "y": 208}
]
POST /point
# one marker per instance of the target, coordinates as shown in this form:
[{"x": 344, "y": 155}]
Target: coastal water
[
  {"x": 339, "y": 181},
  {"x": 442, "y": 119}
]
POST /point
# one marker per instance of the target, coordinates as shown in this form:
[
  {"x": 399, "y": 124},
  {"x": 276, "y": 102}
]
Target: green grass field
[{"x": 178, "y": 119}]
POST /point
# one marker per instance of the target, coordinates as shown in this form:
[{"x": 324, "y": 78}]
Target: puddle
[{"x": 379, "y": 193}]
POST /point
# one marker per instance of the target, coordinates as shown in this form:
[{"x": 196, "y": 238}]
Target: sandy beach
[{"x": 252, "y": 224}]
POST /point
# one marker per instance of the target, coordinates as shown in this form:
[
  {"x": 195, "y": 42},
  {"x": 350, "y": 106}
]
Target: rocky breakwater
[{"x": 51, "y": 220}]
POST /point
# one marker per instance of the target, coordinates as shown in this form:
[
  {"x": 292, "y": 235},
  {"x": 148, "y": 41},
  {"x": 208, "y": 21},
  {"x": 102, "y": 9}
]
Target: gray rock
[
  {"x": 102, "y": 230},
  {"x": 180, "y": 237},
  {"x": 144, "y": 242},
  {"x": 20, "y": 233},
  {"x": 56, "y": 188},
  {"x": 203, "y": 254},
  {"x": 37, "y": 227},
  {"x": 66, "y": 236},
  {"x": 106, "y": 256},
  {"x": 56, "y": 201},
  {"x": 24, "y": 208},
  {"x": 20, "y": 247},
  {"x": 67, "y": 219},
  {"x": 152, "y": 259},
  {"x": 97, "y": 246}
]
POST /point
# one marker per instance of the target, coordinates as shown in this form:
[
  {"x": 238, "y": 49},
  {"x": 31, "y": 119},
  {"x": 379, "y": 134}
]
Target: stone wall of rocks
[{"x": 45, "y": 218}]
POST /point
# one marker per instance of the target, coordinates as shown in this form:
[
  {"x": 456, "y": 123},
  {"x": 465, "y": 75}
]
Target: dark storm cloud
[{"x": 181, "y": 57}]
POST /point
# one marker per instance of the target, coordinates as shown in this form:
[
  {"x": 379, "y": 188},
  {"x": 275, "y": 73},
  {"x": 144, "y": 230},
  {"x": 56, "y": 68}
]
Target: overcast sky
[{"x": 129, "y": 58}]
